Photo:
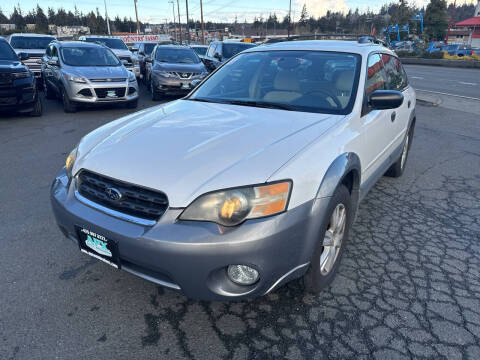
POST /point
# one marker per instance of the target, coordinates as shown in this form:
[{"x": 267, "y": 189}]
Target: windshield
[
  {"x": 148, "y": 48},
  {"x": 109, "y": 42},
  {"x": 31, "y": 42},
  {"x": 452, "y": 47},
  {"x": 89, "y": 56},
  {"x": 230, "y": 49},
  {"x": 6, "y": 52},
  {"x": 200, "y": 50},
  {"x": 176, "y": 56},
  {"x": 310, "y": 81}
]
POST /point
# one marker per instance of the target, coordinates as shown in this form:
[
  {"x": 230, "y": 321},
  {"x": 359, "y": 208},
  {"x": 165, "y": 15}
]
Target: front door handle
[
  {"x": 409, "y": 104},
  {"x": 393, "y": 116}
]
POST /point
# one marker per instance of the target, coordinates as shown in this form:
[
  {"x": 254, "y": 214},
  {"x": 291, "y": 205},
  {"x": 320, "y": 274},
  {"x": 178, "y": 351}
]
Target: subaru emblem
[{"x": 113, "y": 194}]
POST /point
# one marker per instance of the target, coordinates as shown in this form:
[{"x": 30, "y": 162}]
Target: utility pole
[
  {"x": 203, "y": 26},
  {"x": 174, "y": 20},
  {"x": 179, "y": 21},
  {"x": 188, "y": 27},
  {"x": 136, "y": 15},
  {"x": 106, "y": 17},
  {"x": 289, "y": 18}
]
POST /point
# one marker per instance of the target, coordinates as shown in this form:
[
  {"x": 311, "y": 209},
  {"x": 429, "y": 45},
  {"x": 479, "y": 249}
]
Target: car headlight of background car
[
  {"x": 77, "y": 79},
  {"x": 163, "y": 73},
  {"x": 131, "y": 77},
  {"x": 233, "y": 206},
  {"x": 70, "y": 161}
]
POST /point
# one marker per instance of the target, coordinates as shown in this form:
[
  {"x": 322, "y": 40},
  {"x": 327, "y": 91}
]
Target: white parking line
[
  {"x": 417, "y": 77},
  {"x": 442, "y": 93},
  {"x": 467, "y": 83}
]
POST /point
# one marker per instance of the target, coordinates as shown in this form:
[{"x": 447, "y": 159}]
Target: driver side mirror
[
  {"x": 149, "y": 60},
  {"x": 141, "y": 53},
  {"x": 218, "y": 56},
  {"x": 53, "y": 62},
  {"x": 23, "y": 56},
  {"x": 124, "y": 62},
  {"x": 385, "y": 99}
]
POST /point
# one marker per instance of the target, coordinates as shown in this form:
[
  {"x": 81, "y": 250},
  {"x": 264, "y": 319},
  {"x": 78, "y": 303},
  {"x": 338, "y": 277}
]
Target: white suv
[{"x": 250, "y": 181}]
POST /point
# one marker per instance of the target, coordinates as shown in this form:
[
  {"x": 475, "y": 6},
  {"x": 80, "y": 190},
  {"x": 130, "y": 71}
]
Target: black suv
[
  {"x": 18, "y": 90},
  {"x": 220, "y": 51}
]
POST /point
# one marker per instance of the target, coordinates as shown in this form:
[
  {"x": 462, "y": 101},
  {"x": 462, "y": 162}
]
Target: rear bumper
[{"x": 192, "y": 256}]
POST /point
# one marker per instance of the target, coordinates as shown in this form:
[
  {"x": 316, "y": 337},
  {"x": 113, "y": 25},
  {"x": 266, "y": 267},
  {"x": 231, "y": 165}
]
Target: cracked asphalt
[{"x": 408, "y": 286}]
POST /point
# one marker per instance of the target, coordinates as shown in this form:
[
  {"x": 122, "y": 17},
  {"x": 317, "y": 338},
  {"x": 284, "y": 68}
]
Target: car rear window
[
  {"x": 310, "y": 81},
  {"x": 31, "y": 42},
  {"x": 230, "y": 49}
]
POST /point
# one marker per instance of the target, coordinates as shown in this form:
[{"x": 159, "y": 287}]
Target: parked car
[
  {"x": 173, "y": 70},
  {"x": 459, "y": 50},
  {"x": 250, "y": 181},
  {"x": 119, "y": 48},
  {"x": 220, "y": 51},
  {"x": 34, "y": 45},
  {"x": 142, "y": 50},
  {"x": 200, "y": 49},
  {"x": 435, "y": 46},
  {"x": 18, "y": 90},
  {"x": 86, "y": 73}
]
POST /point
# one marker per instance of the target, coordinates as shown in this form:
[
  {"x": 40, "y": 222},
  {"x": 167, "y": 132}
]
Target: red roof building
[{"x": 467, "y": 31}]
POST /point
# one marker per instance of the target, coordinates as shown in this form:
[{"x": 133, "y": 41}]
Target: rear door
[
  {"x": 397, "y": 80},
  {"x": 378, "y": 130}
]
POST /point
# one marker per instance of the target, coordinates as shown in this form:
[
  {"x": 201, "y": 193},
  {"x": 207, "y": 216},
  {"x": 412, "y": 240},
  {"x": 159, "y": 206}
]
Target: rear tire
[
  {"x": 332, "y": 238},
  {"x": 38, "y": 108},
  {"x": 398, "y": 167},
  {"x": 68, "y": 105}
]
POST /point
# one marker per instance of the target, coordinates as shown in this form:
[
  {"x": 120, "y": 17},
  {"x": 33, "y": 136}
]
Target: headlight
[
  {"x": 232, "y": 207},
  {"x": 70, "y": 161},
  {"x": 131, "y": 77},
  {"x": 77, "y": 79},
  {"x": 21, "y": 75},
  {"x": 163, "y": 73}
]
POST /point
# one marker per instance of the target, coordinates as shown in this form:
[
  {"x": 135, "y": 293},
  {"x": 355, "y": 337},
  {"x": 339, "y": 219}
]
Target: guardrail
[{"x": 442, "y": 62}]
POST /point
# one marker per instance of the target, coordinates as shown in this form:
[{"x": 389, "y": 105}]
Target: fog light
[{"x": 242, "y": 274}]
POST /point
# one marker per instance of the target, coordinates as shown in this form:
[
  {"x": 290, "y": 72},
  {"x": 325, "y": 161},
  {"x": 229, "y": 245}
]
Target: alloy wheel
[{"x": 333, "y": 238}]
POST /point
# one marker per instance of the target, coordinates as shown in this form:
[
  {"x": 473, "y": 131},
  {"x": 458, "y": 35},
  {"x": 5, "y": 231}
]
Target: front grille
[
  {"x": 8, "y": 92},
  {"x": 5, "y": 78},
  {"x": 183, "y": 75},
  {"x": 134, "y": 200},
  {"x": 103, "y": 92},
  {"x": 109, "y": 80}
]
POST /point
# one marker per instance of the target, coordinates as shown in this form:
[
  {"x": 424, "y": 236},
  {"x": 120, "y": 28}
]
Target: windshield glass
[
  {"x": 108, "y": 42},
  {"x": 310, "y": 81},
  {"x": 176, "y": 56},
  {"x": 30, "y": 42},
  {"x": 230, "y": 49},
  {"x": 89, "y": 56},
  {"x": 6, "y": 52},
  {"x": 200, "y": 50}
]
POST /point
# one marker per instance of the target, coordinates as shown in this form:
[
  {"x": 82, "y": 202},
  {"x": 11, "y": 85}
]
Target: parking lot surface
[{"x": 408, "y": 285}]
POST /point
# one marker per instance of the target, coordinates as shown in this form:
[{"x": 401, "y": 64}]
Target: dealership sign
[{"x": 128, "y": 39}]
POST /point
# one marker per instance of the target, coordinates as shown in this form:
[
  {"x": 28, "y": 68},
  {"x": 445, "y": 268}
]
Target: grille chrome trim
[{"x": 114, "y": 213}]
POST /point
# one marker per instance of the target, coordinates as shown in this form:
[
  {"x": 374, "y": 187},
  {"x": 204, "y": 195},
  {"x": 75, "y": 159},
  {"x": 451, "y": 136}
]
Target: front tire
[
  {"x": 38, "y": 108},
  {"x": 68, "y": 105},
  {"x": 154, "y": 93},
  {"x": 332, "y": 238}
]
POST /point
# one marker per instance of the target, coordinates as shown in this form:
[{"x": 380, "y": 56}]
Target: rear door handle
[
  {"x": 393, "y": 116},
  {"x": 409, "y": 103}
]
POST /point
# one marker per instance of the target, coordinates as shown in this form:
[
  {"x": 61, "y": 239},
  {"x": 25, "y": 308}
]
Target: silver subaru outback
[{"x": 86, "y": 73}]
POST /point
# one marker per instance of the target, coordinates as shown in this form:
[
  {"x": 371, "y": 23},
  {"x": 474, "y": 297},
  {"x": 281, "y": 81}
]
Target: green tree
[
  {"x": 41, "y": 21},
  {"x": 303, "y": 22},
  {"x": 3, "y": 18},
  {"x": 435, "y": 20}
]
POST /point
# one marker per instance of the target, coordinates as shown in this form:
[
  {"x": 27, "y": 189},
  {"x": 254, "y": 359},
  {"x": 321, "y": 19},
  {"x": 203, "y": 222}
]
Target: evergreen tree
[
  {"x": 435, "y": 20},
  {"x": 41, "y": 20}
]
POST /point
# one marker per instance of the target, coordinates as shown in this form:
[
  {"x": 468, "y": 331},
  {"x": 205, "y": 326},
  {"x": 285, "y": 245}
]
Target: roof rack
[{"x": 370, "y": 40}]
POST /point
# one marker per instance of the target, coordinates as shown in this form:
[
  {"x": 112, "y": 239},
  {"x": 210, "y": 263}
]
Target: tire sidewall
[{"x": 314, "y": 280}]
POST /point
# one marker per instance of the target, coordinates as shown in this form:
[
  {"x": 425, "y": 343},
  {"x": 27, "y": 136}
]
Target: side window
[
  {"x": 396, "y": 77},
  {"x": 376, "y": 78},
  {"x": 48, "y": 53},
  {"x": 54, "y": 52}
]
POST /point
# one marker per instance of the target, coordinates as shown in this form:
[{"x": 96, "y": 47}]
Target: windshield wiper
[{"x": 261, "y": 104}]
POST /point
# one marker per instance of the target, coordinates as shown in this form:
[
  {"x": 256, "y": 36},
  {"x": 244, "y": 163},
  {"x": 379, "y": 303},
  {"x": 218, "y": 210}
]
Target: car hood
[
  {"x": 10, "y": 66},
  {"x": 186, "y": 148},
  {"x": 120, "y": 52},
  {"x": 98, "y": 72},
  {"x": 180, "y": 67}
]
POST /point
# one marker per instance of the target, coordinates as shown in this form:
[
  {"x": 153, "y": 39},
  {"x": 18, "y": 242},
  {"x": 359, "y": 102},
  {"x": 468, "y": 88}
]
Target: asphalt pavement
[
  {"x": 408, "y": 285},
  {"x": 443, "y": 80}
]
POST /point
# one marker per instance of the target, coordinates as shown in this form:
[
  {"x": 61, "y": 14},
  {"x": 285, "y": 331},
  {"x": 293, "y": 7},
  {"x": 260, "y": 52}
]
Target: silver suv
[{"x": 79, "y": 72}]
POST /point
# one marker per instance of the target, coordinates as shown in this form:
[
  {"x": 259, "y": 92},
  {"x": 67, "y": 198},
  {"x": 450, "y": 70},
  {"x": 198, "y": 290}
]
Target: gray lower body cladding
[{"x": 193, "y": 256}]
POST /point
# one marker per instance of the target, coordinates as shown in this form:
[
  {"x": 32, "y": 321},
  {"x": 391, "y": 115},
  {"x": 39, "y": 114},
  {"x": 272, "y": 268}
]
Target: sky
[{"x": 156, "y": 11}]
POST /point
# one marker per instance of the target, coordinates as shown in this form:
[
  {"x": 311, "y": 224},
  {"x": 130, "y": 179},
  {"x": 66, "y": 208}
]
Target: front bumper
[
  {"x": 19, "y": 96},
  {"x": 173, "y": 86},
  {"x": 192, "y": 256},
  {"x": 97, "y": 93}
]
